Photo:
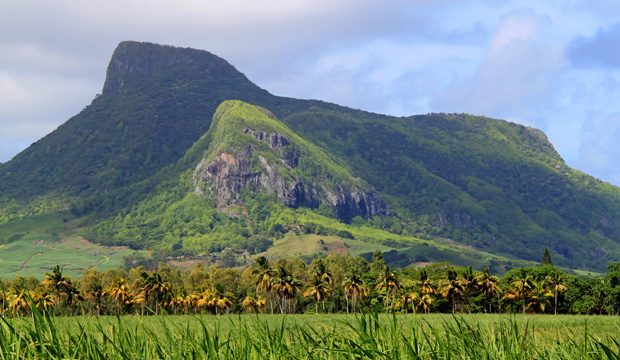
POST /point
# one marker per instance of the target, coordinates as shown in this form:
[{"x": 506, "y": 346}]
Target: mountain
[{"x": 148, "y": 144}]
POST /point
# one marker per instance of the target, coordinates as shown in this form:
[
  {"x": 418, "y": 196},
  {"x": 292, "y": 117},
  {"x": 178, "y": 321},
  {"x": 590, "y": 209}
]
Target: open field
[
  {"x": 36, "y": 244},
  {"x": 311, "y": 245},
  {"x": 313, "y": 337}
]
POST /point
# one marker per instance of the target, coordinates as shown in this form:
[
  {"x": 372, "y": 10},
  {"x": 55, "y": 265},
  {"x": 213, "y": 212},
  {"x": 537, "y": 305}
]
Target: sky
[{"x": 553, "y": 65}]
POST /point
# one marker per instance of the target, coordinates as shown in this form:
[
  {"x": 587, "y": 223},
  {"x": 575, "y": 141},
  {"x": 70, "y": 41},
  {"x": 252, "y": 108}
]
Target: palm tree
[
  {"x": 539, "y": 298},
  {"x": 95, "y": 294},
  {"x": 43, "y": 301},
  {"x": 407, "y": 300},
  {"x": 206, "y": 300},
  {"x": 425, "y": 302},
  {"x": 223, "y": 302},
  {"x": 451, "y": 289},
  {"x": 556, "y": 282},
  {"x": 264, "y": 274},
  {"x": 426, "y": 284},
  {"x": 355, "y": 289},
  {"x": 286, "y": 287},
  {"x": 317, "y": 291},
  {"x": 62, "y": 285},
  {"x": 388, "y": 282},
  {"x": 321, "y": 286},
  {"x": 253, "y": 304},
  {"x": 121, "y": 294},
  {"x": 520, "y": 290},
  {"x": 154, "y": 287},
  {"x": 18, "y": 303},
  {"x": 489, "y": 286}
]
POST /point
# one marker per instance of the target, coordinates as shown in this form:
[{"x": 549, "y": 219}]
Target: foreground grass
[{"x": 311, "y": 337}]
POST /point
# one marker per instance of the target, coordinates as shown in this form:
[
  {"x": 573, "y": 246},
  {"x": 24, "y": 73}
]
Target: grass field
[
  {"x": 313, "y": 337},
  {"x": 34, "y": 245},
  {"x": 309, "y": 245}
]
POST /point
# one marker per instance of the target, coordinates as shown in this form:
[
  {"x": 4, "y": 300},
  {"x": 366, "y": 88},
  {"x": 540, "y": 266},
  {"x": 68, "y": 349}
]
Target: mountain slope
[
  {"x": 486, "y": 183},
  {"x": 251, "y": 180}
]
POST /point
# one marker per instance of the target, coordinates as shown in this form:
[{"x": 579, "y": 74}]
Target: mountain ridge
[{"x": 493, "y": 185}]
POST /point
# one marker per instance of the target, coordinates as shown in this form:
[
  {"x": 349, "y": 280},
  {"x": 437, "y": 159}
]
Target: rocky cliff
[{"x": 258, "y": 159}]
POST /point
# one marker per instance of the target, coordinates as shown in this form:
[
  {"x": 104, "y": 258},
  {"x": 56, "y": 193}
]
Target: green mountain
[{"x": 147, "y": 166}]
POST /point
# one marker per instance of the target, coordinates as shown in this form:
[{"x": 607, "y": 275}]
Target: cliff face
[{"x": 271, "y": 162}]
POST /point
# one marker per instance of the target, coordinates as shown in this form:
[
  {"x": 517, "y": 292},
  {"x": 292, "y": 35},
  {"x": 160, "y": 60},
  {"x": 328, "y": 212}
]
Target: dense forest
[{"x": 331, "y": 284}]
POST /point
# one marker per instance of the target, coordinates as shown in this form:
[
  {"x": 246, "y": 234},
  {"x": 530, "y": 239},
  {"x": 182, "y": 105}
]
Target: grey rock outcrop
[{"x": 228, "y": 175}]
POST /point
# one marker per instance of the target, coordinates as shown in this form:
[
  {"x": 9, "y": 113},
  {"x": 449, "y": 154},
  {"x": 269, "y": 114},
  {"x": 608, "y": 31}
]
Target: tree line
[{"x": 338, "y": 283}]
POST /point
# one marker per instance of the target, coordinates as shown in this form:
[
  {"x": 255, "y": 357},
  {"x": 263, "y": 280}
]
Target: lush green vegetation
[
  {"x": 187, "y": 300},
  {"x": 310, "y": 337},
  {"x": 126, "y": 162},
  {"x": 176, "y": 221},
  {"x": 338, "y": 283}
]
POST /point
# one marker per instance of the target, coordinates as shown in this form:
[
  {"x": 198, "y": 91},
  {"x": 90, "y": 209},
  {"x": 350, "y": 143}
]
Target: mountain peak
[{"x": 134, "y": 61}]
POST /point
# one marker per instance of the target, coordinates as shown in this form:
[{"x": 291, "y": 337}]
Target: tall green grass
[{"x": 367, "y": 336}]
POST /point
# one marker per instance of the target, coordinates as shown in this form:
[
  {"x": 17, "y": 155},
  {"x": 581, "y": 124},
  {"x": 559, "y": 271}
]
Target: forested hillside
[{"x": 450, "y": 178}]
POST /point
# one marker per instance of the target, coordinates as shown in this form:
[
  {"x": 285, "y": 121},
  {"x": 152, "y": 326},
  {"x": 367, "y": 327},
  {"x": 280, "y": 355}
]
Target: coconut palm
[
  {"x": 424, "y": 302},
  {"x": 121, "y": 294},
  {"x": 407, "y": 300},
  {"x": 223, "y": 303},
  {"x": 155, "y": 289},
  {"x": 388, "y": 283},
  {"x": 539, "y": 298},
  {"x": 253, "y": 304},
  {"x": 95, "y": 295},
  {"x": 264, "y": 274},
  {"x": 206, "y": 300},
  {"x": 520, "y": 290},
  {"x": 556, "y": 284},
  {"x": 43, "y": 301},
  {"x": 321, "y": 285},
  {"x": 451, "y": 288},
  {"x": 61, "y": 285},
  {"x": 355, "y": 289},
  {"x": 318, "y": 291},
  {"x": 489, "y": 286},
  {"x": 426, "y": 284},
  {"x": 18, "y": 302},
  {"x": 286, "y": 287}
]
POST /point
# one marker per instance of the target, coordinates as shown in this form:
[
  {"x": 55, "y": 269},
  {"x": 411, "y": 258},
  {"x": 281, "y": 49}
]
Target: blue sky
[{"x": 554, "y": 65}]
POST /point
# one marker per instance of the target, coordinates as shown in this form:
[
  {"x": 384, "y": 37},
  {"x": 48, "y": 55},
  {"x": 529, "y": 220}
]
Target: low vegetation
[{"x": 369, "y": 336}]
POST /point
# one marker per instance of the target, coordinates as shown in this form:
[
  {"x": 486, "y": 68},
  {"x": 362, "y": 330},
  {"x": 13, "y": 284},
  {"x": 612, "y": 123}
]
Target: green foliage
[{"x": 124, "y": 161}]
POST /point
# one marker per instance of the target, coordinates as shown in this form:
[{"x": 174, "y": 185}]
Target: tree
[
  {"x": 155, "y": 288},
  {"x": 121, "y": 294},
  {"x": 557, "y": 284},
  {"x": 253, "y": 304},
  {"x": 388, "y": 282},
  {"x": 264, "y": 274},
  {"x": 355, "y": 289},
  {"x": 286, "y": 287},
  {"x": 539, "y": 298},
  {"x": 489, "y": 286},
  {"x": 451, "y": 289},
  {"x": 18, "y": 303},
  {"x": 321, "y": 284},
  {"x": 520, "y": 290},
  {"x": 546, "y": 259}
]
